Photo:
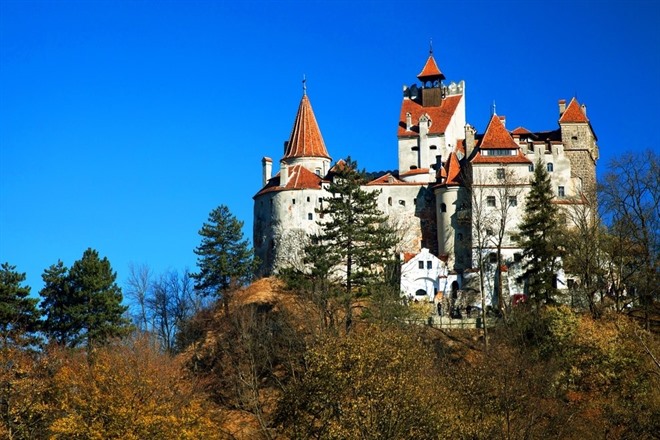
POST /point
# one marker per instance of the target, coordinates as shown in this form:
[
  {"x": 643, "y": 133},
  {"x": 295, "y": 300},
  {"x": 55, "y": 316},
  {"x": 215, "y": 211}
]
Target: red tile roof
[
  {"x": 431, "y": 71},
  {"x": 440, "y": 116},
  {"x": 299, "y": 178},
  {"x": 521, "y": 130},
  {"x": 340, "y": 165},
  {"x": 460, "y": 146},
  {"x": 573, "y": 113},
  {"x": 496, "y": 136},
  {"x": 387, "y": 179},
  {"x": 414, "y": 172},
  {"x": 305, "y": 139},
  {"x": 453, "y": 168}
]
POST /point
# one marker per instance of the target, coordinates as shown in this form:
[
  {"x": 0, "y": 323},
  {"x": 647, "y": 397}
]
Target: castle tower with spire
[
  {"x": 429, "y": 200},
  {"x": 285, "y": 207}
]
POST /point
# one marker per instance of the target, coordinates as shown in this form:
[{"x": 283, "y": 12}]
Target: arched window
[
  {"x": 550, "y": 167},
  {"x": 420, "y": 292}
]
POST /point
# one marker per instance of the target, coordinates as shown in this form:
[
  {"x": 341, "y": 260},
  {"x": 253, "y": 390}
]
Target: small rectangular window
[
  {"x": 490, "y": 201},
  {"x": 310, "y": 216},
  {"x": 402, "y": 202},
  {"x": 293, "y": 201},
  {"x": 513, "y": 201},
  {"x": 500, "y": 173},
  {"x": 429, "y": 264},
  {"x": 421, "y": 265},
  {"x": 492, "y": 257},
  {"x": 308, "y": 199},
  {"x": 561, "y": 192},
  {"x": 531, "y": 168}
]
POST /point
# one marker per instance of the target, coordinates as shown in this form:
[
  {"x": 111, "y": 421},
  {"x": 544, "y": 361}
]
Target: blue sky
[{"x": 124, "y": 123}]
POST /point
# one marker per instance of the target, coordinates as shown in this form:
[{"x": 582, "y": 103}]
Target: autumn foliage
[{"x": 269, "y": 369}]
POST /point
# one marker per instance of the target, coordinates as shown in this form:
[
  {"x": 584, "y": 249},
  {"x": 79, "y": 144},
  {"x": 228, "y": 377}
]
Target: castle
[{"x": 454, "y": 192}]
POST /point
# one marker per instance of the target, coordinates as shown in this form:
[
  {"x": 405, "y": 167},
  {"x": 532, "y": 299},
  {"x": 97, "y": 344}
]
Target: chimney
[
  {"x": 408, "y": 121},
  {"x": 469, "y": 140},
  {"x": 503, "y": 120},
  {"x": 562, "y": 106},
  {"x": 267, "y": 169},
  {"x": 584, "y": 109},
  {"x": 284, "y": 174}
]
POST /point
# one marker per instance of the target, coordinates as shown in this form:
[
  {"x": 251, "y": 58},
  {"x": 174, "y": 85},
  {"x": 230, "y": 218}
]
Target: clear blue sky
[{"x": 124, "y": 123}]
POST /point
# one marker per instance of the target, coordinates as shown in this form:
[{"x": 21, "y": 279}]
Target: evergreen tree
[
  {"x": 354, "y": 241},
  {"x": 538, "y": 236},
  {"x": 19, "y": 316},
  {"x": 83, "y": 304},
  {"x": 58, "y": 325},
  {"x": 225, "y": 259}
]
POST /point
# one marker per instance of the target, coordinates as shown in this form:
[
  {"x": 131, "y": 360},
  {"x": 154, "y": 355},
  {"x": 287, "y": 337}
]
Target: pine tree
[
  {"x": 58, "y": 325},
  {"x": 19, "y": 316},
  {"x": 354, "y": 239},
  {"x": 225, "y": 260},
  {"x": 83, "y": 304},
  {"x": 539, "y": 234}
]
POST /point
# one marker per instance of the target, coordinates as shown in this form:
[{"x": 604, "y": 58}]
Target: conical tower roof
[
  {"x": 431, "y": 71},
  {"x": 305, "y": 139}
]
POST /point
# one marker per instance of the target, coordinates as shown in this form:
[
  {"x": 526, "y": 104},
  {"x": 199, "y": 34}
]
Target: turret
[{"x": 305, "y": 145}]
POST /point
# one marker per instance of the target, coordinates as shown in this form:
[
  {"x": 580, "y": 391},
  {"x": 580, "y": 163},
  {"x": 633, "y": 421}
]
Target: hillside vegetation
[{"x": 269, "y": 369}]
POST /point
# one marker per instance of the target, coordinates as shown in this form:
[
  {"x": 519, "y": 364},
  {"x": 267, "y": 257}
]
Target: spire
[
  {"x": 431, "y": 71},
  {"x": 305, "y": 139},
  {"x": 304, "y": 83}
]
